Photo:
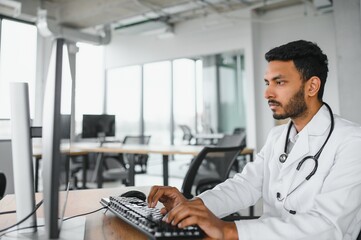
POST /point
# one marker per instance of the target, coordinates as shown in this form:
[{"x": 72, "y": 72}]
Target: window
[
  {"x": 157, "y": 101},
  {"x": 184, "y": 95},
  {"x": 89, "y": 93},
  {"x": 123, "y": 97},
  {"x": 174, "y": 90},
  {"x": 18, "y": 51}
]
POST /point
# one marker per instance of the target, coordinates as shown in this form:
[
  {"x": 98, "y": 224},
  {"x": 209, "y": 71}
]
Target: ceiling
[
  {"x": 83, "y": 14},
  {"x": 93, "y": 20}
]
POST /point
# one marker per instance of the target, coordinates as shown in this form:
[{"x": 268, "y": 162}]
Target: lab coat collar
[
  {"x": 316, "y": 127},
  {"x": 313, "y": 133}
]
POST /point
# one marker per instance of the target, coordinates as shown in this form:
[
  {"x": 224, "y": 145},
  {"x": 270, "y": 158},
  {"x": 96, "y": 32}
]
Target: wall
[
  {"x": 348, "y": 44},
  {"x": 194, "y": 38},
  {"x": 255, "y": 34},
  {"x": 281, "y": 26}
]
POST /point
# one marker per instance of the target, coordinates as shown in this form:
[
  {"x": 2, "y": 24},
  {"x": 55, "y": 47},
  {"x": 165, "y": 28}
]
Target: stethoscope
[{"x": 283, "y": 157}]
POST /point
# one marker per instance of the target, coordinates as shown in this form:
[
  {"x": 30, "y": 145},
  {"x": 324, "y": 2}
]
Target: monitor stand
[{"x": 72, "y": 229}]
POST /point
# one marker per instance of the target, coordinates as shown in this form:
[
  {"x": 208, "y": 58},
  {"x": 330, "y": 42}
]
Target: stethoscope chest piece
[{"x": 283, "y": 157}]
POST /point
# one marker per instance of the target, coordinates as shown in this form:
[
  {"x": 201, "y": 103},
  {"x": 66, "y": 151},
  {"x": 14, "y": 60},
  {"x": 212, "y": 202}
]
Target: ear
[{"x": 313, "y": 86}]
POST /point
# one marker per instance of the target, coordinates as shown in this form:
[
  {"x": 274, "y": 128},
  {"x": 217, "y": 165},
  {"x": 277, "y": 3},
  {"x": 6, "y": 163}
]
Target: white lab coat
[{"x": 328, "y": 205}]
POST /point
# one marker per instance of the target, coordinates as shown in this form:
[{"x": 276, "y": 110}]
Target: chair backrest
[
  {"x": 2, "y": 184},
  {"x": 187, "y": 133},
  {"x": 136, "y": 140},
  {"x": 238, "y": 130},
  {"x": 212, "y": 163},
  {"x": 232, "y": 140}
]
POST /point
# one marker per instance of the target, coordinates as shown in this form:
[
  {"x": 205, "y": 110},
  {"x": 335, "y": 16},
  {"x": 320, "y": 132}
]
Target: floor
[
  {"x": 177, "y": 170},
  {"x": 154, "y": 175}
]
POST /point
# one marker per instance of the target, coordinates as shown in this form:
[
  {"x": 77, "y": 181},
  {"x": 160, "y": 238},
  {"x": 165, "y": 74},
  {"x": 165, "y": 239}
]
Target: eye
[
  {"x": 266, "y": 83},
  {"x": 280, "y": 82}
]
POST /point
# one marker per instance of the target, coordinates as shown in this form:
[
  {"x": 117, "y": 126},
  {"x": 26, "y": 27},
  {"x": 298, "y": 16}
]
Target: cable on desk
[
  {"x": 14, "y": 230},
  {"x": 84, "y": 214},
  {"x": 65, "y": 219},
  {"x": 8, "y": 212},
  {"x": 25, "y": 218}
]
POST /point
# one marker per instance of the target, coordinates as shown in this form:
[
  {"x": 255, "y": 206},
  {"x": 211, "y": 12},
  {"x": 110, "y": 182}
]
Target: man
[{"x": 308, "y": 173}]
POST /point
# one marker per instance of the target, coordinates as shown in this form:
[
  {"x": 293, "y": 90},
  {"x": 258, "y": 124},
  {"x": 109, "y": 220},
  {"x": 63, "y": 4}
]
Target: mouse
[{"x": 135, "y": 193}]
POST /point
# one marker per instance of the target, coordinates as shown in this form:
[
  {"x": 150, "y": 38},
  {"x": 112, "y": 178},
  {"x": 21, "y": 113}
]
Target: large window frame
[
  {"x": 18, "y": 48},
  {"x": 153, "y": 95}
]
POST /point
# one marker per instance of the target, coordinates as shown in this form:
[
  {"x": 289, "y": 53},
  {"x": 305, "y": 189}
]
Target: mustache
[{"x": 274, "y": 102}]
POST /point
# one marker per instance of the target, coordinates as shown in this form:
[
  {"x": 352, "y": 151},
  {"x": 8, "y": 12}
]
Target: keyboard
[{"x": 148, "y": 220}]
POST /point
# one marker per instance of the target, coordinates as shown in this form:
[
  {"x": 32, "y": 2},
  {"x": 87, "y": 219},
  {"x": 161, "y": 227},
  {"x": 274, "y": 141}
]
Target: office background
[{"x": 243, "y": 36}]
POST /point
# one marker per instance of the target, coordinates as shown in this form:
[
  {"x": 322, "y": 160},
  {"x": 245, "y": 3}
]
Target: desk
[
  {"x": 212, "y": 137},
  {"x": 98, "y": 226},
  {"x": 69, "y": 152},
  {"x": 165, "y": 151}
]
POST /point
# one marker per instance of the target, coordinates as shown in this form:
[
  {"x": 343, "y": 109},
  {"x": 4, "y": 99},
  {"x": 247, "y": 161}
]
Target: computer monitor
[
  {"x": 22, "y": 154},
  {"x": 51, "y": 139},
  {"x": 55, "y": 227},
  {"x": 65, "y": 126},
  {"x": 98, "y": 126}
]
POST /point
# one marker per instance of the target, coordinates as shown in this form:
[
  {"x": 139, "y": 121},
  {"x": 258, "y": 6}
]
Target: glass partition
[{"x": 123, "y": 99}]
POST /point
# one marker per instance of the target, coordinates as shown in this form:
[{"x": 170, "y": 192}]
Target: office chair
[
  {"x": 139, "y": 159},
  {"x": 187, "y": 134},
  {"x": 238, "y": 130},
  {"x": 2, "y": 184},
  {"x": 218, "y": 161},
  {"x": 212, "y": 165},
  {"x": 234, "y": 140}
]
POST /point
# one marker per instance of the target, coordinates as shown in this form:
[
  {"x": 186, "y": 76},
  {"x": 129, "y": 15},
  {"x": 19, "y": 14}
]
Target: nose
[{"x": 268, "y": 92}]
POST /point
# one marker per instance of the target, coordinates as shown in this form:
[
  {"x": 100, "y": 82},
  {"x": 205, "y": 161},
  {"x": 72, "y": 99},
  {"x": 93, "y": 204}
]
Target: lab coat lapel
[
  {"x": 314, "y": 134},
  {"x": 279, "y": 148},
  {"x": 299, "y": 150}
]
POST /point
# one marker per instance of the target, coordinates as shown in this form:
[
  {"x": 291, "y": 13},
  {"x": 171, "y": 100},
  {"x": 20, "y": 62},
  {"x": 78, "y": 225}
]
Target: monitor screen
[
  {"x": 65, "y": 126},
  {"x": 95, "y": 126}
]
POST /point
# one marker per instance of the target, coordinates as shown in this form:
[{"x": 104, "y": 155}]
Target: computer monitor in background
[
  {"x": 65, "y": 126},
  {"x": 98, "y": 126}
]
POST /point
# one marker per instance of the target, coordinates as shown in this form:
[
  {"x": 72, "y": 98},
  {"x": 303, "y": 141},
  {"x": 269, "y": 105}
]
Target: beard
[{"x": 296, "y": 107}]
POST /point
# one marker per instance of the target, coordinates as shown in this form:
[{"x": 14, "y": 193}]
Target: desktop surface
[{"x": 98, "y": 225}]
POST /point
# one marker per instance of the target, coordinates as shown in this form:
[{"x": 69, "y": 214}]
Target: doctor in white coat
[{"x": 308, "y": 173}]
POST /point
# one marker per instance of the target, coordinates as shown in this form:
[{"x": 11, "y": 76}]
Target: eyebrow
[{"x": 277, "y": 77}]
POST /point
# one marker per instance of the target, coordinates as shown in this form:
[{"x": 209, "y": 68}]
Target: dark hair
[{"x": 307, "y": 57}]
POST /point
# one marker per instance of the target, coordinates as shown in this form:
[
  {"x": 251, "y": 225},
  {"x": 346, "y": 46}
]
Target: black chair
[
  {"x": 238, "y": 130},
  {"x": 187, "y": 134},
  {"x": 212, "y": 166},
  {"x": 230, "y": 141},
  {"x": 139, "y": 159},
  {"x": 2, "y": 184}
]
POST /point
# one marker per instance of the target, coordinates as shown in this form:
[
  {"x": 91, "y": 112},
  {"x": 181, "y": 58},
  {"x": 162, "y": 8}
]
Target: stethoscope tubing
[{"x": 284, "y": 156}]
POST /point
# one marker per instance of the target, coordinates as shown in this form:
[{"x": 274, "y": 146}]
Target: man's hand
[
  {"x": 183, "y": 212},
  {"x": 194, "y": 212},
  {"x": 169, "y": 196}
]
